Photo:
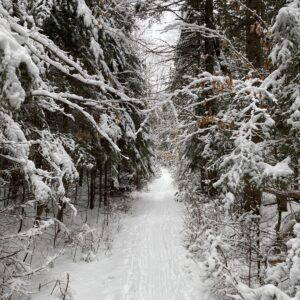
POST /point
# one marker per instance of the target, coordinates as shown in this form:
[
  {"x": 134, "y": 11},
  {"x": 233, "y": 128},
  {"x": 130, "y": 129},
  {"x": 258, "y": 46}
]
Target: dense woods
[
  {"x": 238, "y": 143},
  {"x": 72, "y": 133},
  {"x": 77, "y": 134}
]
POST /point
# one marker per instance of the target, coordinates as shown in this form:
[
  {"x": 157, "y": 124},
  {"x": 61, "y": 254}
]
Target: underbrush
[{"x": 243, "y": 256}]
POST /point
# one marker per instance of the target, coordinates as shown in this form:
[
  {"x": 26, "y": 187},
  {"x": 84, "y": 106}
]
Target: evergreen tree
[
  {"x": 71, "y": 115},
  {"x": 232, "y": 146}
]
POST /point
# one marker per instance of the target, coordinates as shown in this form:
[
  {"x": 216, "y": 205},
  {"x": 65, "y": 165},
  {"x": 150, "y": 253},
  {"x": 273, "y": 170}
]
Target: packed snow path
[
  {"x": 147, "y": 261},
  {"x": 149, "y": 249},
  {"x": 154, "y": 246}
]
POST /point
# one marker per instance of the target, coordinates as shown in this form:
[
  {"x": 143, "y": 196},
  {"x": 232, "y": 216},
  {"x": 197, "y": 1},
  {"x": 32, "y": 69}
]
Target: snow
[
  {"x": 96, "y": 49},
  {"x": 280, "y": 169},
  {"x": 88, "y": 117},
  {"x": 84, "y": 11},
  {"x": 147, "y": 260},
  {"x": 13, "y": 55}
]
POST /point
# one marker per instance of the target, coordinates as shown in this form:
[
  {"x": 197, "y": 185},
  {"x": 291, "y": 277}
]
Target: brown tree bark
[
  {"x": 209, "y": 42},
  {"x": 253, "y": 196},
  {"x": 253, "y": 32}
]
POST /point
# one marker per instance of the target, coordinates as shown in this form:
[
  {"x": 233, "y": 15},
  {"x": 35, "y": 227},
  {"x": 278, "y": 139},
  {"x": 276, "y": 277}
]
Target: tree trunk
[
  {"x": 106, "y": 184},
  {"x": 100, "y": 183},
  {"x": 252, "y": 197},
  {"x": 209, "y": 42},
  {"x": 39, "y": 212},
  {"x": 60, "y": 212},
  {"x": 93, "y": 187},
  {"x": 253, "y": 32},
  {"x": 81, "y": 174}
]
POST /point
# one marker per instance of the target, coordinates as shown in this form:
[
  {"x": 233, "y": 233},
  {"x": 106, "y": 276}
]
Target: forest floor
[{"x": 147, "y": 259}]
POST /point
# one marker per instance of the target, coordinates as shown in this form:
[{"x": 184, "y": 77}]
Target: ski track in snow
[
  {"x": 153, "y": 243},
  {"x": 148, "y": 261}
]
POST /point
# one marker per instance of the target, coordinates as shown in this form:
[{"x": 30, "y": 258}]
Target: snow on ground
[{"x": 147, "y": 260}]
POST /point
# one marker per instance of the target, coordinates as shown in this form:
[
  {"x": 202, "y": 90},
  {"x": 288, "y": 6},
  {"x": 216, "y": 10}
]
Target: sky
[{"x": 156, "y": 36}]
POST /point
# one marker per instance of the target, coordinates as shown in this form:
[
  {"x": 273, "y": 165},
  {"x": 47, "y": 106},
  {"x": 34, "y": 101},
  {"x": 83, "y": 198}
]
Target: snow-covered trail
[
  {"x": 153, "y": 245},
  {"x": 147, "y": 261}
]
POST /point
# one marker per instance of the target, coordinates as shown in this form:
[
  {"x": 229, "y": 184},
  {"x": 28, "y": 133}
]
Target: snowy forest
[{"x": 149, "y": 149}]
